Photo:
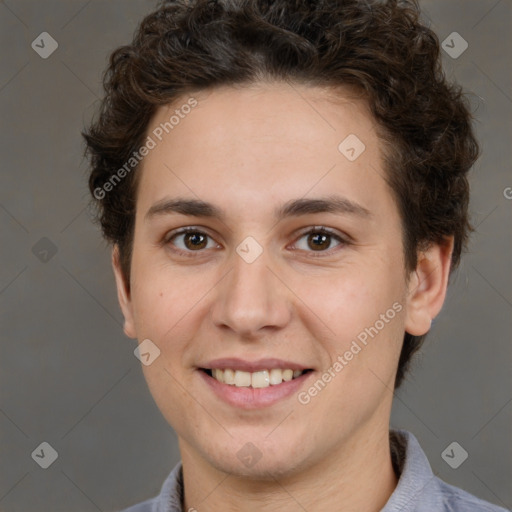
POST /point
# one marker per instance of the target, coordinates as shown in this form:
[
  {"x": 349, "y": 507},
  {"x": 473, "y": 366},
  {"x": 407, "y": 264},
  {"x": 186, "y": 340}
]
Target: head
[{"x": 249, "y": 105}]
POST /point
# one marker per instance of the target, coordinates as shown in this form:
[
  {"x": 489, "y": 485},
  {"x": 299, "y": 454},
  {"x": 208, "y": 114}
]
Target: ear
[
  {"x": 427, "y": 287},
  {"x": 123, "y": 295}
]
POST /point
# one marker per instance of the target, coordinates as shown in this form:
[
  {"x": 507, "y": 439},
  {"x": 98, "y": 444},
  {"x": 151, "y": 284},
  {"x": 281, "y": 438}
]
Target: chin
[
  {"x": 256, "y": 461},
  {"x": 264, "y": 470}
]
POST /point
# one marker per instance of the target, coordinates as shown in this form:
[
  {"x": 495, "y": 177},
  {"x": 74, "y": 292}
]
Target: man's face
[{"x": 252, "y": 286}]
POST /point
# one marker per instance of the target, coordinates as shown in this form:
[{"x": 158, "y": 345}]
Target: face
[{"x": 296, "y": 263}]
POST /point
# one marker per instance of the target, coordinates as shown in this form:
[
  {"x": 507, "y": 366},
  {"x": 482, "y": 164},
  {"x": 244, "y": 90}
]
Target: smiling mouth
[{"x": 259, "y": 379}]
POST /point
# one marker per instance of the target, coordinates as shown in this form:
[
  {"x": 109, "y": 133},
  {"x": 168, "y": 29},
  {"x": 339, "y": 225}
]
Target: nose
[{"x": 251, "y": 299}]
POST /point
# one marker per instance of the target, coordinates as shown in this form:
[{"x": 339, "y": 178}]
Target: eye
[
  {"x": 193, "y": 240},
  {"x": 319, "y": 239}
]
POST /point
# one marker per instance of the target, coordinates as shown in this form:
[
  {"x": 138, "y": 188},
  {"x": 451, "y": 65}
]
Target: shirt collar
[{"x": 416, "y": 479}]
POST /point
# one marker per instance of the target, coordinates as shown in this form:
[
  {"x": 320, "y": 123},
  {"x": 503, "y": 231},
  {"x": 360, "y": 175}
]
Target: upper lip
[{"x": 234, "y": 363}]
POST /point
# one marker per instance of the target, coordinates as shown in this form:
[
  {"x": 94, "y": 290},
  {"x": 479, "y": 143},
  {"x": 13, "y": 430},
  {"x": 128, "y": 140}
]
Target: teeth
[
  {"x": 287, "y": 375},
  {"x": 242, "y": 379},
  {"x": 261, "y": 379},
  {"x": 276, "y": 376},
  {"x": 218, "y": 374},
  {"x": 229, "y": 376}
]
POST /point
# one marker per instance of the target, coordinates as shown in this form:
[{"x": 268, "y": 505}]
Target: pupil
[
  {"x": 322, "y": 241},
  {"x": 195, "y": 239}
]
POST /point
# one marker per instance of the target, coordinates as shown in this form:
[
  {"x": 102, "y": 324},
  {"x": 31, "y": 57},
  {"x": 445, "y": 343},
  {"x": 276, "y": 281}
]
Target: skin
[{"x": 249, "y": 150}]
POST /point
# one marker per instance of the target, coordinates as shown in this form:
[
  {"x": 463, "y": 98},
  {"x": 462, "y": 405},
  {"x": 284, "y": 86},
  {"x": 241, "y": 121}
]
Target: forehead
[{"x": 257, "y": 142}]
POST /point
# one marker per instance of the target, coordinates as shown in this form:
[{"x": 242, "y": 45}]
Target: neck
[{"x": 357, "y": 476}]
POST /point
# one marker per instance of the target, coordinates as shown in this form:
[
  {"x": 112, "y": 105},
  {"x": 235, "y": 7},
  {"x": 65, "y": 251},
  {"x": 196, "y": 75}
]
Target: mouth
[
  {"x": 256, "y": 380},
  {"x": 254, "y": 385}
]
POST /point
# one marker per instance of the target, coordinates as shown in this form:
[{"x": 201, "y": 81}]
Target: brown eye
[
  {"x": 319, "y": 240},
  {"x": 190, "y": 240},
  {"x": 194, "y": 240}
]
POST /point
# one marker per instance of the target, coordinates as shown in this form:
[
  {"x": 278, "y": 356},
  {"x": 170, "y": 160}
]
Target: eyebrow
[{"x": 292, "y": 208}]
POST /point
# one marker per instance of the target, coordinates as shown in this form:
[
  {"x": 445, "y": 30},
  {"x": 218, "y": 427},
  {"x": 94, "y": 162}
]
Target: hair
[{"x": 381, "y": 49}]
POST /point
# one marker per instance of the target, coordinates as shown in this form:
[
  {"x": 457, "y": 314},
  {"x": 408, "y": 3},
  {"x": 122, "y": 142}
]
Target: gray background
[{"x": 68, "y": 375}]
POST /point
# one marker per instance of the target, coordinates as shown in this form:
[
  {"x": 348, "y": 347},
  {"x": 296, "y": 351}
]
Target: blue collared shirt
[{"x": 418, "y": 489}]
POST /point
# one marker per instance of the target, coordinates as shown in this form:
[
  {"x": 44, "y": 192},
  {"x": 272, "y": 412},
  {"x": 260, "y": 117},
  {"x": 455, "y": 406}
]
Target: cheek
[
  {"x": 358, "y": 315},
  {"x": 159, "y": 295},
  {"x": 156, "y": 305},
  {"x": 349, "y": 300},
  {"x": 168, "y": 309}
]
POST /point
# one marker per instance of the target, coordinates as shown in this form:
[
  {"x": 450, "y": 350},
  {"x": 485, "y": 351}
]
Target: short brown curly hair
[{"x": 381, "y": 49}]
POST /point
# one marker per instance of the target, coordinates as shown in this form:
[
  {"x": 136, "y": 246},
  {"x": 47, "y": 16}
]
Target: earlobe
[
  {"x": 123, "y": 294},
  {"x": 427, "y": 287}
]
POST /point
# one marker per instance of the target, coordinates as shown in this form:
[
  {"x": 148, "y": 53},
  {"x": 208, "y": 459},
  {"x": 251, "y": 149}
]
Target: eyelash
[{"x": 316, "y": 230}]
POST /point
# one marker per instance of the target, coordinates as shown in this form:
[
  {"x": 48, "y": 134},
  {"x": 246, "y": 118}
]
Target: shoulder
[
  {"x": 170, "y": 497},
  {"x": 419, "y": 489},
  {"x": 144, "y": 506},
  {"x": 455, "y": 499}
]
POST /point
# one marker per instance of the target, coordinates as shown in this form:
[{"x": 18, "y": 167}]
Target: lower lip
[{"x": 254, "y": 398}]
